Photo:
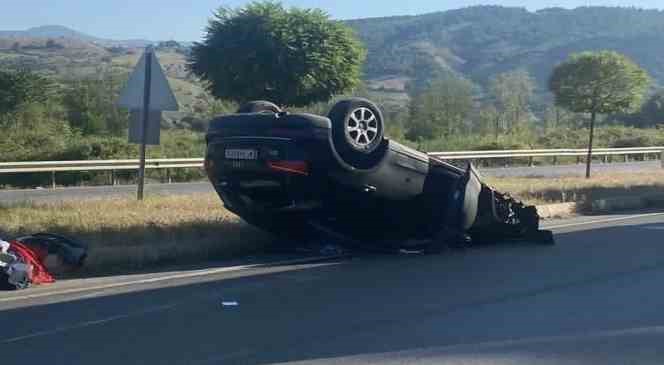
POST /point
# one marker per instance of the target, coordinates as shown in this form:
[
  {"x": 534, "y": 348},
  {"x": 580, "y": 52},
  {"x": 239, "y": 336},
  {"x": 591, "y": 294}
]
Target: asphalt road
[
  {"x": 573, "y": 170},
  {"x": 95, "y": 192},
  {"x": 595, "y": 298}
]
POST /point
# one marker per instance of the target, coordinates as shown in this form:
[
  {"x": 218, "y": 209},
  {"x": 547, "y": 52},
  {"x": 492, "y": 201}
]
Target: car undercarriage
[{"x": 301, "y": 175}]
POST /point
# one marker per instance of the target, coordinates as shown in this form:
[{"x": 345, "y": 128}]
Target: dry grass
[
  {"x": 578, "y": 189},
  {"x": 124, "y": 233}
]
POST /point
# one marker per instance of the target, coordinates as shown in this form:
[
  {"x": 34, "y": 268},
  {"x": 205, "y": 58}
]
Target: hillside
[
  {"x": 61, "y": 32},
  {"x": 475, "y": 42},
  {"x": 481, "y": 41},
  {"x": 71, "y": 58}
]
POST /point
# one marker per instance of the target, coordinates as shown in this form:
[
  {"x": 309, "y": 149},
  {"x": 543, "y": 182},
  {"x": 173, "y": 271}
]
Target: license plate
[{"x": 241, "y": 154}]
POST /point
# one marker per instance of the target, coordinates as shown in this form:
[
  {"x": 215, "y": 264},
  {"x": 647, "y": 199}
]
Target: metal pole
[
  {"x": 589, "y": 159},
  {"x": 144, "y": 123}
]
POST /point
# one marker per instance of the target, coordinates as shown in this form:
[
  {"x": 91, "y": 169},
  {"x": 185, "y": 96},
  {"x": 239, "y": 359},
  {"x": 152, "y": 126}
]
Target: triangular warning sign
[{"x": 161, "y": 95}]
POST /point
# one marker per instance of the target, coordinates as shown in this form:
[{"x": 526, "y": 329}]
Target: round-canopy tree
[
  {"x": 292, "y": 57},
  {"x": 598, "y": 83}
]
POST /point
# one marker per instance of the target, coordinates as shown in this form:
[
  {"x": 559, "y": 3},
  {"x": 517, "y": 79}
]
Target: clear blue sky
[{"x": 185, "y": 20}]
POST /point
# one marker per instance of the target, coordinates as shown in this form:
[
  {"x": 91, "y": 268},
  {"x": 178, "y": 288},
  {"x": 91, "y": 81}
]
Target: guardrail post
[
  {"x": 605, "y": 159},
  {"x": 626, "y": 158},
  {"x": 555, "y": 160},
  {"x": 113, "y": 179},
  {"x": 578, "y": 160},
  {"x": 52, "y": 179},
  {"x": 661, "y": 158},
  {"x": 168, "y": 176},
  {"x": 531, "y": 162}
]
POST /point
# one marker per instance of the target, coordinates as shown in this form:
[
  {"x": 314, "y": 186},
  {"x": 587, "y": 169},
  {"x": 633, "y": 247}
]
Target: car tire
[
  {"x": 357, "y": 132},
  {"x": 259, "y": 106}
]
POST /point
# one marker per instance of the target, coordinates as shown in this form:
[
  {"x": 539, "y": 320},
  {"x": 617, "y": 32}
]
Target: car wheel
[
  {"x": 259, "y": 106},
  {"x": 357, "y": 131}
]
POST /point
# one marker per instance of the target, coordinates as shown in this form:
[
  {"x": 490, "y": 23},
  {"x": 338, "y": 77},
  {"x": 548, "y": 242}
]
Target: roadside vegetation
[
  {"x": 51, "y": 112},
  {"x": 126, "y": 235},
  {"x": 536, "y": 190}
]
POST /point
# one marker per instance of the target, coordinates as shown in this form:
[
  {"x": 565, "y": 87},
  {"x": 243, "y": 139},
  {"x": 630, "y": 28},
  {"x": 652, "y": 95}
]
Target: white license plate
[{"x": 241, "y": 154}]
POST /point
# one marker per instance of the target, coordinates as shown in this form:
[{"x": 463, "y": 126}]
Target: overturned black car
[{"x": 298, "y": 174}]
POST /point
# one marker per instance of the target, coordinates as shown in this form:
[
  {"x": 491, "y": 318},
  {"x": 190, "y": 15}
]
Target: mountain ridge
[
  {"x": 61, "y": 31},
  {"x": 478, "y": 42},
  {"x": 481, "y": 41}
]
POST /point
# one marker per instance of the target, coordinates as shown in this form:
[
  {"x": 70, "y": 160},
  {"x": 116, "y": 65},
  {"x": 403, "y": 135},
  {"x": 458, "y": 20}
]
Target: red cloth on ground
[{"x": 35, "y": 257}]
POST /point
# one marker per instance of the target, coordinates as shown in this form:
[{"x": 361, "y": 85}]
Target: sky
[{"x": 184, "y": 20}]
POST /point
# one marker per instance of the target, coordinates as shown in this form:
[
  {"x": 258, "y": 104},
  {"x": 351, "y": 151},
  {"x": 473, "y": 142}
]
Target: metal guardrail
[
  {"x": 96, "y": 165},
  {"x": 171, "y": 163},
  {"x": 466, "y": 155}
]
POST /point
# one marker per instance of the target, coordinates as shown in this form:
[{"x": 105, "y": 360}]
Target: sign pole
[
  {"x": 147, "y": 89},
  {"x": 144, "y": 122}
]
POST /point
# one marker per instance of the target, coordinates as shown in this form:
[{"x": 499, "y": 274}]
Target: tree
[
  {"x": 598, "y": 83},
  {"x": 292, "y": 57},
  {"x": 426, "y": 71},
  {"x": 511, "y": 92},
  {"x": 19, "y": 88},
  {"x": 556, "y": 117},
  {"x": 652, "y": 112},
  {"x": 207, "y": 107},
  {"x": 440, "y": 110},
  {"x": 90, "y": 105},
  {"x": 487, "y": 120}
]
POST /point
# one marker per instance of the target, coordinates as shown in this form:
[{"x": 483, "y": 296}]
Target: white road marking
[
  {"x": 96, "y": 322},
  {"x": 606, "y": 220},
  {"x": 208, "y": 272},
  {"x": 186, "y": 275}
]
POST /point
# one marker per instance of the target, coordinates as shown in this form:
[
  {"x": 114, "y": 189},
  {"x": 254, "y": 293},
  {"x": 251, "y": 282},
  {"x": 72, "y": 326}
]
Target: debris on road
[
  {"x": 230, "y": 303},
  {"x": 332, "y": 250},
  {"x": 36, "y": 258},
  {"x": 404, "y": 251}
]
